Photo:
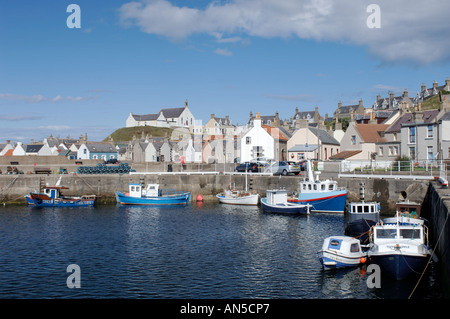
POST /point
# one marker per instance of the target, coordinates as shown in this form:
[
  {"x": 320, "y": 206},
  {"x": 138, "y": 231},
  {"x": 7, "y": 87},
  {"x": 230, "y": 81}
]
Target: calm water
[{"x": 212, "y": 251}]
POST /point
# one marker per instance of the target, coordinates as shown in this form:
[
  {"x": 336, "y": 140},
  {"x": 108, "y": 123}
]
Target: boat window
[
  {"x": 138, "y": 188},
  {"x": 410, "y": 233},
  {"x": 354, "y": 248},
  {"x": 330, "y": 187},
  {"x": 309, "y": 186},
  {"x": 366, "y": 209},
  {"x": 372, "y": 208},
  {"x": 360, "y": 209},
  {"x": 353, "y": 209},
  {"x": 132, "y": 188},
  {"x": 334, "y": 244},
  {"x": 386, "y": 233},
  {"x": 323, "y": 187},
  {"x": 315, "y": 187},
  {"x": 304, "y": 186}
]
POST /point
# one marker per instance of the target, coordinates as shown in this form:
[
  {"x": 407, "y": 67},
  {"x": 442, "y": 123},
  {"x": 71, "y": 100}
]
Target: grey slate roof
[
  {"x": 172, "y": 112},
  {"x": 101, "y": 148},
  {"x": 324, "y": 136},
  {"x": 33, "y": 148},
  {"x": 146, "y": 117},
  {"x": 304, "y": 148}
]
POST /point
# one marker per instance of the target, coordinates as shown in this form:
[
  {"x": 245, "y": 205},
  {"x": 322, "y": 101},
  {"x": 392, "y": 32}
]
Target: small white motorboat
[
  {"x": 276, "y": 201},
  {"x": 341, "y": 252}
]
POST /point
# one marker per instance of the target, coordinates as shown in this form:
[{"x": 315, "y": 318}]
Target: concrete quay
[{"x": 208, "y": 184}]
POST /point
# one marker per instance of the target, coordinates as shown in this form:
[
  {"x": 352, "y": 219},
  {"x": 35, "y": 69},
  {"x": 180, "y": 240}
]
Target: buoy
[
  {"x": 362, "y": 260},
  {"x": 199, "y": 198}
]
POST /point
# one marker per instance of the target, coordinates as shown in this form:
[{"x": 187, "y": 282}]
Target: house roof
[
  {"x": 145, "y": 117},
  {"x": 344, "y": 155},
  {"x": 275, "y": 132},
  {"x": 33, "y": 148},
  {"x": 101, "y": 148},
  {"x": 304, "y": 148},
  {"x": 370, "y": 132},
  {"x": 323, "y": 135},
  {"x": 172, "y": 112},
  {"x": 397, "y": 125},
  {"x": 9, "y": 152}
]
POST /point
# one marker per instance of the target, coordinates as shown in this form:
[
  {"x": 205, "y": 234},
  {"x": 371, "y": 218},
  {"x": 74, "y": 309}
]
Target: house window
[
  {"x": 430, "y": 131},
  {"x": 395, "y": 150},
  {"x": 412, "y": 134},
  {"x": 380, "y": 151},
  {"x": 85, "y": 151},
  {"x": 430, "y": 155},
  {"x": 412, "y": 153},
  {"x": 353, "y": 139},
  {"x": 301, "y": 156},
  {"x": 394, "y": 136},
  {"x": 248, "y": 140},
  {"x": 94, "y": 156}
]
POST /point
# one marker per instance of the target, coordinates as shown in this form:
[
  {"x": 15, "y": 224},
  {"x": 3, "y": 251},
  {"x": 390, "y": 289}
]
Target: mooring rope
[{"x": 429, "y": 260}]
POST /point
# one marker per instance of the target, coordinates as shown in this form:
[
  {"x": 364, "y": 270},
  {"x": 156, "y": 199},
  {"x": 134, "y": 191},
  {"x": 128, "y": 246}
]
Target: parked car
[
  {"x": 302, "y": 165},
  {"x": 277, "y": 168},
  {"x": 112, "y": 161},
  {"x": 294, "y": 168},
  {"x": 249, "y": 167}
]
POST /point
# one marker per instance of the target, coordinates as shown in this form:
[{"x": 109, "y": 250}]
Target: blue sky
[{"x": 224, "y": 57}]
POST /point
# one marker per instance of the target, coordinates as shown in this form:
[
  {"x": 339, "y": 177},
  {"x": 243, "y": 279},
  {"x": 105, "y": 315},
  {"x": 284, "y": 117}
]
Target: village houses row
[{"x": 391, "y": 127}]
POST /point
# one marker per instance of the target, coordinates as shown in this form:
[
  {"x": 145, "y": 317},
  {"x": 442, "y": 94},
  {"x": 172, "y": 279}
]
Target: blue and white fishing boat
[
  {"x": 152, "y": 195},
  {"x": 52, "y": 197},
  {"x": 323, "y": 196},
  {"x": 399, "y": 248},
  {"x": 276, "y": 202},
  {"x": 341, "y": 252}
]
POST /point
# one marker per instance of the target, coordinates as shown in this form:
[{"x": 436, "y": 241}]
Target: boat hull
[
  {"x": 284, "y": 208},
  {"x": 241, "y": 200},
  {"x": 181, "y": 199},
  {"x": 327, "y": 202},
  {"x": 59, "y": 202},
  {"x": 333, "y": 260},
  {"x": 399, "y": 266}
]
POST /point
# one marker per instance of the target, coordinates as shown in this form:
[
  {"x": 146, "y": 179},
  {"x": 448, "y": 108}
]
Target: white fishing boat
[
  {"x": 341, "y": 252},
  {"x": 238, "y": 197},
  {"x": 399, "y": 249},
  {"x": 276, "y": 201}
]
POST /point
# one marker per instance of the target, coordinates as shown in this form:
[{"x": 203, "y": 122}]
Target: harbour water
[{"x": 200, "y": 251}]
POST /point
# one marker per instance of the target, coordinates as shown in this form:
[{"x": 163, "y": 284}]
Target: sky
[{"x": 225, "y": 57}]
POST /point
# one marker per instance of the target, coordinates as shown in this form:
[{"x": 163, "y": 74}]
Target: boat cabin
[
  {"x": 409, "y": 207},
  {"x": 53, "y": 192},
  {"x": 318, "y": 186},
  {"x": 136, "y": 190},
  {"x": 400, "y": 233},
  {"x": 364, "y": 210},
  {"x": 276, "y": 196}
]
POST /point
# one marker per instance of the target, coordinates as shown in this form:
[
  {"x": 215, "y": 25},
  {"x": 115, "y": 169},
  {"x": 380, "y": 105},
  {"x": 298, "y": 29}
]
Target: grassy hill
[{"x": 126, "y": 133}]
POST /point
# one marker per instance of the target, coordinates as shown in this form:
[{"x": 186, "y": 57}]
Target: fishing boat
[
  {"x": 341, "y": 252},
  {"x": 152, "y": 195},
  {"x": 237, "y": 197},
  {"x": 52, "y": 197},
  {"x": 276, "y": 202},
  {"x": 399, "y": 249},
  {"x": 323, "y": 196},
  {"x": 361, "y": 217}
]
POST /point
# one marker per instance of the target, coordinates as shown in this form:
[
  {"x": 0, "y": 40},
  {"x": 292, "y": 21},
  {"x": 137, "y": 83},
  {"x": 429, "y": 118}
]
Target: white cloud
[
  {"x": 410, "y": 30},
  {"x": 40, "y": 98},
  {"x": 224, "y": 52}
]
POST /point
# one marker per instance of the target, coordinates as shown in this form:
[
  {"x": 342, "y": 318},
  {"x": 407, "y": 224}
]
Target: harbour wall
[
  {"x": 386, "y": 191},
  {"x": 435, "y": 210}
]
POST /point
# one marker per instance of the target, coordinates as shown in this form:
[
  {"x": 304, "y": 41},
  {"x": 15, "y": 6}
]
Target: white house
[
  {"x": 157, "y": 120},
  {"x": 168, "y": 117},
  {"x": 257, "y": 142}
]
